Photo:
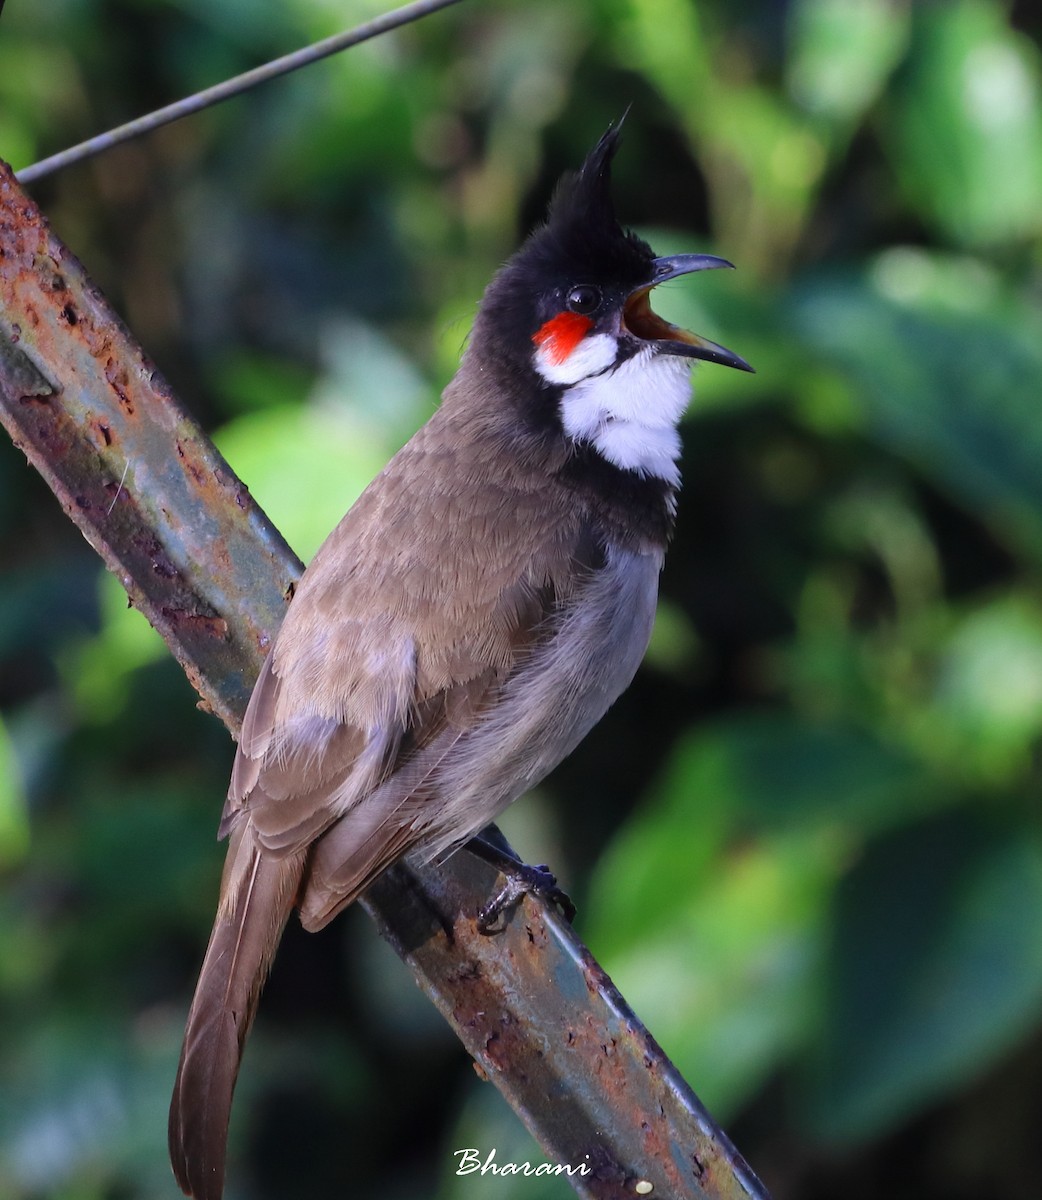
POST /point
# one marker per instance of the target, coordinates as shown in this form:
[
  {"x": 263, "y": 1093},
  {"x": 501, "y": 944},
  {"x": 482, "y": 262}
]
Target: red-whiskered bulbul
[{"x": 474, "y": 614}]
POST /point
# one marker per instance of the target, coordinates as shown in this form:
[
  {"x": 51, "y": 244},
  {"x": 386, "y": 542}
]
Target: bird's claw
[{"x": 523, "y": 880}]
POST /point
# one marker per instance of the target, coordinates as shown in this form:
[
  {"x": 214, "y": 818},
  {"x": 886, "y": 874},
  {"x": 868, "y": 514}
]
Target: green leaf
[
  {"x": 306, "y": 465},
  {"x": 763, "y": 159},
  {"x": 842, "y": 52},
  {"x": 14, "y": 821},
  {"x": 714, "y": 935},
  {"x": 935, "y": 970},
  {"x": 83, "y": 1103},
  {"x": 720, "y": 970},
  {"x": 966, "y": 134},
  {"x": 97, "y": 668},
  {"x": 987, "y": 707},
  {"x": 946, "y": 364}
]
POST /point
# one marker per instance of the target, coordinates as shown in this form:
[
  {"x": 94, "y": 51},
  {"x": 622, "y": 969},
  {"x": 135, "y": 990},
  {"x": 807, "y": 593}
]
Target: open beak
[{"x": 638, "y": 318}]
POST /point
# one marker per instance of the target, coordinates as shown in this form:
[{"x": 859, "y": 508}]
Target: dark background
[{"x": 806, "y": 843}]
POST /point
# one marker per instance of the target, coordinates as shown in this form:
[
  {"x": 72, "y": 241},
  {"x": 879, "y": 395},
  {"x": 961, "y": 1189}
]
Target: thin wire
[{"x": 232, "y": 87}]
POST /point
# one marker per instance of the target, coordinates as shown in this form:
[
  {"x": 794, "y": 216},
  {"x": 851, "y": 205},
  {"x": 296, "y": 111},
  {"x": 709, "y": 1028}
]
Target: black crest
[
  {"x": 583, "y": 200},
  {"x": 582, "y": 232}
]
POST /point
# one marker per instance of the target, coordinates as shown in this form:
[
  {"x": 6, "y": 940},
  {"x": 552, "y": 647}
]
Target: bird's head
[{"x": 571, "y": 314}]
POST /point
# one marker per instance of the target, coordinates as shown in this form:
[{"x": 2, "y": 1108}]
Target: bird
[{"x": 475, "y": 613}]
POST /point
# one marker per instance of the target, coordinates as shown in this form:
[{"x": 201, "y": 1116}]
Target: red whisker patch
[{"x": 561, "y": 334}]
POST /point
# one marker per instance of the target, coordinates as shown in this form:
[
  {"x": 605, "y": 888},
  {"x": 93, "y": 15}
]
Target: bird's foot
[{"x": 521, "y": 880}]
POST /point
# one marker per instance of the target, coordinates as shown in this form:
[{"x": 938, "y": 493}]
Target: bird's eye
[{"x": 584, "y": 298}]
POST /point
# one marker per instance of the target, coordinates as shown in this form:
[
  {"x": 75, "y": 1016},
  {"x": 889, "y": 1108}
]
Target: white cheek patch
[
  {"x": 630, "y": 415},
  {"x": 593, "y": 354}
]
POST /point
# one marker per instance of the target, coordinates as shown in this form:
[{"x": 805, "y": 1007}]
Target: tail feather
[{"x": 257, "y": 895}]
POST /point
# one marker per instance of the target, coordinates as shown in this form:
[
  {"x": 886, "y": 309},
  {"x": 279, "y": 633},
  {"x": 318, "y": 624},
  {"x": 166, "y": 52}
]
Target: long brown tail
[{"x": 257, "y": 895}]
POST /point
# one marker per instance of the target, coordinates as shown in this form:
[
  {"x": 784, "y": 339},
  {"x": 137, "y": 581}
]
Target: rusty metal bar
[
  {"x": 131, "y": 468},
  {"x": 207, "y": 568}
]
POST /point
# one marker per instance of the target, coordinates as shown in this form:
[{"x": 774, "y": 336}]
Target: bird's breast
[{"x": 555, "y": 697}]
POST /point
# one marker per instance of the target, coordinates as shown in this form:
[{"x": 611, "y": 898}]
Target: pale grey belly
[{"x": 550, "y": 704}]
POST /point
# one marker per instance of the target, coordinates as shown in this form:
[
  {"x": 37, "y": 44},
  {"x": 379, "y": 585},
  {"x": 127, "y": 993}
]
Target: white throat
[{"x": 630, "y": 414}]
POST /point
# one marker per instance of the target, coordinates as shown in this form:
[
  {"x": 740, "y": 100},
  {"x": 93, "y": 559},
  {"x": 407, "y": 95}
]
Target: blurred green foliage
[{"x": 806, "y": 843}]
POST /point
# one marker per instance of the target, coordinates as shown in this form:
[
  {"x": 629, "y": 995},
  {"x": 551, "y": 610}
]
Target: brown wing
[
  {"x": 413, "y": 611},
  {"x": 384, "y": 827}
]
